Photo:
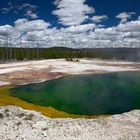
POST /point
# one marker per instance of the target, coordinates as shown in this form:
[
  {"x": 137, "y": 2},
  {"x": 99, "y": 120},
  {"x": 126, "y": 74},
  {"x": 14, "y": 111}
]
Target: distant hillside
[{"x": 131, "y": 54}]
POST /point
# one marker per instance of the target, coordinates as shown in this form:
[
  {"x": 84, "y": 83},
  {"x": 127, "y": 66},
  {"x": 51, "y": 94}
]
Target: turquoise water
[{"x": 98, "y": 94}]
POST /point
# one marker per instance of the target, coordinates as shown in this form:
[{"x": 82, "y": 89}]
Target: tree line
[
  {"x": 24, "y": 54},
  {"x": 16, "y": 54}
]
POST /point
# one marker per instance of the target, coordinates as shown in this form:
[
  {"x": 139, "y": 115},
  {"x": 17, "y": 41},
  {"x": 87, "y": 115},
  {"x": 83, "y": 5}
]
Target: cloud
[
  {"x": 21, "y": 30},
  {"x": 133, "y": 26},
  {"x": 98, "y": 19},
  {"x": 56, "y": 2},
  {"x": 6, "y": 29},
  {"x": 81, "y": 28},
  {"x": 79, "y": 36},
  {"x": 7, "y": 9},
  {"x": 30, "y": 13},
  {"x": 9, "y": 31},
  {"x": 29, "y": 9},
  {"x": 125, "y": 16},
  {"x": 25, "y": 25},
  {"x": 10, "y": 34},
  {"x": 72, "y": 12},
  {"x": 26, "y": 6},
  {"x": 88, "y": 35}
]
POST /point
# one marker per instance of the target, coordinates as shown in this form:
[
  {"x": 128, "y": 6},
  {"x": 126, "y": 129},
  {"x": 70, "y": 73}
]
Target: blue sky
[
  {"x": 72, "y": 23},
  {"x": 45, "y": 7}
]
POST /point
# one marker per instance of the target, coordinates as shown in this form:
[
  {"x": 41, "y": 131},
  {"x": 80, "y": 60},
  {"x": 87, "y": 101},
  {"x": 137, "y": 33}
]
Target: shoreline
[
  {"x": 47, "y": 70},
  {"x": 49, "y": 111},
  {"x": 20, "y": 73}
]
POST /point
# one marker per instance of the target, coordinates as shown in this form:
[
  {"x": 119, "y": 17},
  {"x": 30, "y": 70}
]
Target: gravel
[{"x": 19, "y": 124}]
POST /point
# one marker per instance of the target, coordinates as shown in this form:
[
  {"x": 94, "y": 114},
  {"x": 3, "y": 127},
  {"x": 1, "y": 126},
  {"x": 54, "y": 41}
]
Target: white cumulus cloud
[
  {"x": 98, "y": 19},
  {"x": 72, "y": 12},
  {"x": 26, "y": 25},
  {"x": 81, "y": 28},
  {"x": 125, "y": 16},
  {"x": 78, "y": 36}
]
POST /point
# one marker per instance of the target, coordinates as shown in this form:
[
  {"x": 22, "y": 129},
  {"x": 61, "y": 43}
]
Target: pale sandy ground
[
  {"x": 19, "y": 124},
  {"x": 36, "y": 71}
]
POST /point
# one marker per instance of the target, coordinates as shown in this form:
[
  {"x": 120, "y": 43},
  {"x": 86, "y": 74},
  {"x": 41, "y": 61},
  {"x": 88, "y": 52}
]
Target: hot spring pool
[{"x": 98, "y": 94}]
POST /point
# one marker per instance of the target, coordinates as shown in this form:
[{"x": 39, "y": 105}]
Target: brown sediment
[
  {"x": 6, "y": 99},
  {"x": 29, "y": 76}
]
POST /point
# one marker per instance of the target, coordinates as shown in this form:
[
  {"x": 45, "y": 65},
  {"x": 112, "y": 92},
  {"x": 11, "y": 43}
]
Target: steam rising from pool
[{"x": 99, "y": 94}]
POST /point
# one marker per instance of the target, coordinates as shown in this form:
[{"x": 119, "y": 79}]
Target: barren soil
[{"x": 37, "y": 71}]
